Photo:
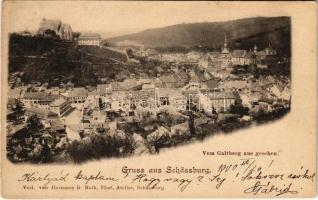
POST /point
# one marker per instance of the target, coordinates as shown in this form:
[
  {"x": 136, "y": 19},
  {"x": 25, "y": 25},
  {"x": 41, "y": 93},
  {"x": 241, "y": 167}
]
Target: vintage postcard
[{"x": 106, "y": 99}]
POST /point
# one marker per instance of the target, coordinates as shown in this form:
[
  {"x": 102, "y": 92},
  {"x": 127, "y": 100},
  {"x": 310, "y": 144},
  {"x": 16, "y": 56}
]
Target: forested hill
[
  {"x": 55, "y": 61},
  {"x": 242, "y": 33}
]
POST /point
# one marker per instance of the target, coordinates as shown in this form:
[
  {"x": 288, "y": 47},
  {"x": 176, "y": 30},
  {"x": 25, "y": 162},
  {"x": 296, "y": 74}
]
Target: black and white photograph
[
  {"x": 82, "y": 94},
  {"x": 158, "y": 99}
]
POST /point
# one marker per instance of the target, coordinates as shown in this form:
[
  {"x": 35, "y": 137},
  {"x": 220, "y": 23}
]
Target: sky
[{"x": 123, "y": 17}]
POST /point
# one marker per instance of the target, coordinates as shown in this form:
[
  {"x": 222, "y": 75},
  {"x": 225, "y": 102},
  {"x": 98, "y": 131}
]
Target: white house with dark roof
[
  {"x": 89, "y": 39},
  {"x": 219, "y": 101},
  {"x": 243, "y": 57},
  {"x": 173, "y": 97},
  {"x": 77, "y": 96},
  {"x": 38, "y": 99},
  {"x": 43, "y": 114},
  {"x": 242, "y": 86}
]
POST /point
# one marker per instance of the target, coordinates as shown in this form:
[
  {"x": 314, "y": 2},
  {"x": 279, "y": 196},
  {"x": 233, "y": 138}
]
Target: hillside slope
[
  {"x": 240, "y": 33},
  {"x": 54, "y": 61}
]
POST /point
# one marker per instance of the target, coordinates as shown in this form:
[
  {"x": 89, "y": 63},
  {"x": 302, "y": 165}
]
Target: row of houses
[
  {"x": 152, "y": 97},
  {"x": 216, "y": 96},
  {"x": 219, "y": 98},
  {"x": 177, "y": 90}
]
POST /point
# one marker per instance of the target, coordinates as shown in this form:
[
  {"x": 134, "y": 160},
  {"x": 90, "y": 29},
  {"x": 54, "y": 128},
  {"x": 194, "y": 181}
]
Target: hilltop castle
[{"x": 63, "y": 30}]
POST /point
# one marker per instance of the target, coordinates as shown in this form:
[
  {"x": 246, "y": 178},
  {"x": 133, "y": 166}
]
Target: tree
[
  {"x": 100, "y": 146},
  {"x": 33, "y": 123},
  {"x": 46, "y": 153},
  {"x": 76, "y": 35},
  {"x": 100, "y": 103},
  {"x": 18, "y": 108},
  {"x": 17, "y": 112},
  {"x": 191, "y": 124},
  {"x": 239, "y": 109},
  {"x": 51, "y": 33}
]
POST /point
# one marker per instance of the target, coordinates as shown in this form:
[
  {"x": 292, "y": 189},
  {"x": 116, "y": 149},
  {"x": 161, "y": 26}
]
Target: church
[
  {"x": 243, "y": 57},
  {"x": 225, "y": 55},
  {"x": 63, "y": 30}
]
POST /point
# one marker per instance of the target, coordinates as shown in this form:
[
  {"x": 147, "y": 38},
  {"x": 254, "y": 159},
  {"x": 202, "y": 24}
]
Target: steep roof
[
  {"x": 101, "y": 86},
  {"x": 202, "y": 76},
  {"x": 223, "y": 95},
  {"x": 143, "y": 93},
  {"x": 78, "y": 92},
  {"x": 194, "y": 78},
  {"x": 40, "y": 111},
  {"x": 211, "y": 84},
  {"x": 169, "y": 92},
  {"x": 238, "y": 53},
  {"x": 57, "y": 124},
  {"x": 128, "y": 84},
  {"x": 61, "y": 29},
  {"x": 89, "y": 36},
  {"x": 116, "y": 86},
  {"x": 58, "y": 102},
  {"x": 261, "y": 53},
  {"x": 168, "y": 78},
  {"x": 51, "y": 24},
  {"x": 236, "y": 84},
  {"x": 249, "y": 55},
  {"x": 14, "y": 93},
  {"x": 39, "y": 95},
  {"x": 157, "y": 134}
]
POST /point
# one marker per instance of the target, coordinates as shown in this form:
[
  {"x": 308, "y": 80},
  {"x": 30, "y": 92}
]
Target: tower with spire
[
  {"x": 270, "y": 50},
  {"x": 225, "y": 48},
  {"x": 255, "y": 48},
  {"x": 225, "y": 54}
]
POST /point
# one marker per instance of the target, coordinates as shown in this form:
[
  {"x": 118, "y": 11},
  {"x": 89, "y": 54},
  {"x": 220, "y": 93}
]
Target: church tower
[
  {"x": 255, "y": 48},
  {"x": 225, "y": 48},
  {"x": 225, "y": 54}
]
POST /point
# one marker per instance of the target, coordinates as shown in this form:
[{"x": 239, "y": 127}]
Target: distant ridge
[{"x": 241, "y": 33}]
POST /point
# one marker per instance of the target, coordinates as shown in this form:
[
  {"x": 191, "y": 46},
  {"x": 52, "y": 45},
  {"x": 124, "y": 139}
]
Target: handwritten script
[{"x": 246, "y": 173}]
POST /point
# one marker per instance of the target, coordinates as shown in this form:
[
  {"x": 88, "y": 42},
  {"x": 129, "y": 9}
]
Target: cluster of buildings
[
  {"x": 225, "y": 58},
  {"x": 181, "y": 82},
  {"x": 64, "y": 32},
  {"x": 195, "y": 81},
  {"x": 177, "y": 90}
]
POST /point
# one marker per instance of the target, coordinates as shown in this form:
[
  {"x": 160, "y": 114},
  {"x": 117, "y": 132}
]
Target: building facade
[
  {"x": 77, "y": 96},
  {"x": 217, "y": 101},
  {"x": 37, "y": 99},
  {"x": 225, "y": 55},
  {"x": 60, "y": 106},
  {"x": 92, "y": 39}
]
